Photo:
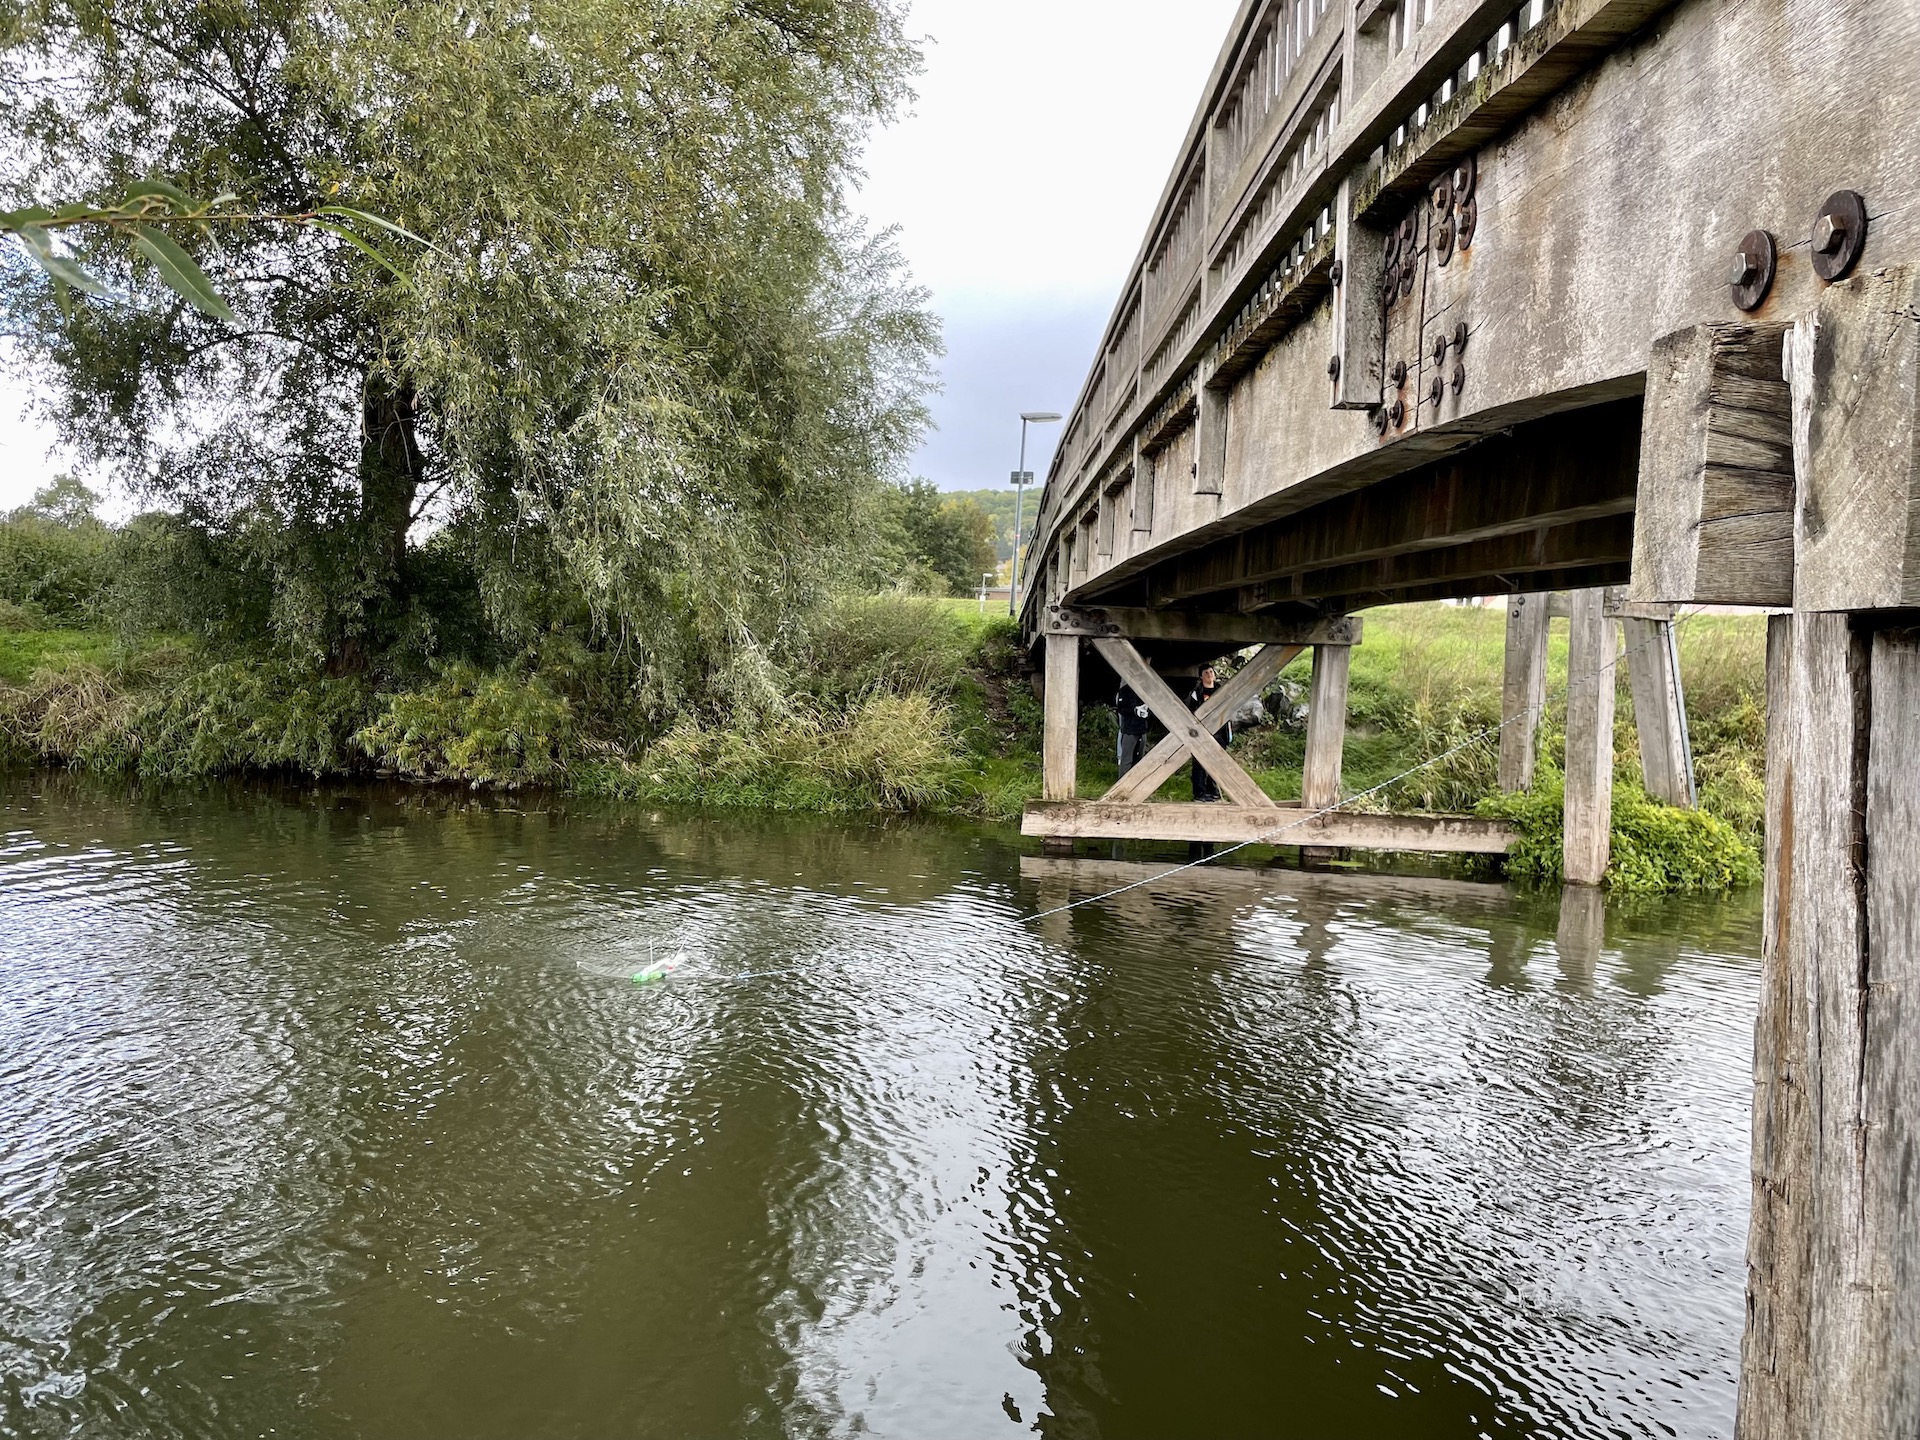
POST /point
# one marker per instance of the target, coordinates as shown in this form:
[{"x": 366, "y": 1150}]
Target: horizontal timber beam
[
  {"x": 1587, "y": 577},
  {"x": 1551, "y": 472},
  {"x": 1281, "y": 825},
  {"x": 1107, "y": 622},
  {"x": 1607, "y": 541}
]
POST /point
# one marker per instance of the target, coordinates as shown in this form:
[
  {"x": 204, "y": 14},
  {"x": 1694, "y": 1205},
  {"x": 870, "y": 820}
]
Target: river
[{"x": 339, "y": 1114}]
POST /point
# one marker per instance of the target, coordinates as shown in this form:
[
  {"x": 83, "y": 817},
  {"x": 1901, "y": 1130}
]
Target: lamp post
[{"x": 1020, "y": 479}]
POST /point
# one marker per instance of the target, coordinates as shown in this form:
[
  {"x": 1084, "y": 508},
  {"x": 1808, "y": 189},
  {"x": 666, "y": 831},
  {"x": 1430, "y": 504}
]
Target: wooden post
[
  {"x": 1326, "y": 736},
  {"x": 1523, "y": 697},
  {"x": 1659, "y": 710},
  {"x": 1060, "y": 758},
  {"x": 1773, "y": 1355},
  {"x": 1326, "y": 726},
  {"x": 1210, "y": 438},
  {"x": 1589, "y": 799}
]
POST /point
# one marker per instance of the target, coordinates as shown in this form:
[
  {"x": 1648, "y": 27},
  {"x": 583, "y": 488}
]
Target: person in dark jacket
[
  {"x": 1205, "y": 787},
  {"x": 1133, "y": 715}
]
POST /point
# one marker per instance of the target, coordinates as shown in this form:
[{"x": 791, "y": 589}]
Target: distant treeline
[{"x": 998, "y": 505}]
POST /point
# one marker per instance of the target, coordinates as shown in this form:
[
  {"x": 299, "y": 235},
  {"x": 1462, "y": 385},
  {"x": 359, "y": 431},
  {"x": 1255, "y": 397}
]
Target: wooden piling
[
  {"x": 1523, "y": 696},
  {"x": 1589, "y": 795},
  {"x": 1326, "y": 737},
  {"x": 1659, "y": 713},
  {"x": 1060, "y": 757}
]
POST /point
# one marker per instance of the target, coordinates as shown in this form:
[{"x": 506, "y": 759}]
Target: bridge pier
[
  {"x": 1829, "y": 523},
  {"x": 1588, "y": 818}
]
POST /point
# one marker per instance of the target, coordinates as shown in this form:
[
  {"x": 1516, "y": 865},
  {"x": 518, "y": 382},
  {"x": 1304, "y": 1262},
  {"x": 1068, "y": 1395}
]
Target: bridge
[{"x": 1612, "y": 299}]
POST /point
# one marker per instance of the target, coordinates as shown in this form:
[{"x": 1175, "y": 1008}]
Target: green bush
[
  {"x": 1656, "y": 849},
  {"x": 53, "y": 572},
  {"x": 890, "y": 752},
  {"x": 482, "y": 727},
  {"x": 252, "y": 715},
  {"x": 857, "y": 645}
]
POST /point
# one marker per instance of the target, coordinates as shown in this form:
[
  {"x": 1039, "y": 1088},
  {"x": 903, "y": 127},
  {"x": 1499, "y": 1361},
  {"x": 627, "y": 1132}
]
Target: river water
[{"x": 339, "y": 1114}]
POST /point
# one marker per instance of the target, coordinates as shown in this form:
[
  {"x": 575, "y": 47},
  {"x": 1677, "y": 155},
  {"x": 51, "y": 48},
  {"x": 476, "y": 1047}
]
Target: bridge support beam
[
  {"x": 1060, "y": 742},
  {"x": 1326, "y": 736},
  {"x": 1591, "y": 657},
  {"x": 1659, "y": 710},
  {"x": 1523, "y": 696}
]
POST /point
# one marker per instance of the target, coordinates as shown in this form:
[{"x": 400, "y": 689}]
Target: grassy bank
[{"x": 888, "y": 704}]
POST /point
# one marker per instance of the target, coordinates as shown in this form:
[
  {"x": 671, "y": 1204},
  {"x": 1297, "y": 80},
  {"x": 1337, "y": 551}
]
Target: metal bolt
[
  {"x": 1380, "y": 422},
  {"x": 1460, "y": 336},
  {"x": 1399, "y": 372},
  {"x": 1333, "y": 368},
  {"x": 1829, "y": 233},
  {"x": 1459, "y": 378},
  {"x": 1436, "y": 390},
  {"x": 1439, "y": 349},
  {"x": 1337, "y": 273},
  {"x": 1396, "y": 412},
  {"x": 1744, "y": 268}
]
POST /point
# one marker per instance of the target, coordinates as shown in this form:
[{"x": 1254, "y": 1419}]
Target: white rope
[{"x": 1268, "y": 837}]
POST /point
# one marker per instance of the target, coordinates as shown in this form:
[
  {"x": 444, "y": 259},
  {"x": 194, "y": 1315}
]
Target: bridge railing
[{"x": 1317, "y": 113}]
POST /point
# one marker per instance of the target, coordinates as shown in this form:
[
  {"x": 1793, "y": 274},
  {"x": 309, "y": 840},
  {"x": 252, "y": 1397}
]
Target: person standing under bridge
[
  {"x": 1205, "y": 787},
  {"x": 1133, "y": 715}
]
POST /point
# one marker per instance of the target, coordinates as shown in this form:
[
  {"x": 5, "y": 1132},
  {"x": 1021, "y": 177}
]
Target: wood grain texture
[
  {"x": 1773, "y": 1352},
  {"x": 1589, "y": 793},
  {"x": 1658, "y": 718},
  {"x": 1060, "y": 741},
  {"x": 1523, "y": 690},
  {"x": 1160, "y": 764},
  {"x": 1856, "y": 444},
  {"x": 1714, "y": 518},
  {"x": 1172, "y": 712},
  {"x": 1273, "y": 824},
  {"x": 1326, "y": 726}
]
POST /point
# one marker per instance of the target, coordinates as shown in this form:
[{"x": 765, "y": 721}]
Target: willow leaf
[{"x": 177, "y": 268}]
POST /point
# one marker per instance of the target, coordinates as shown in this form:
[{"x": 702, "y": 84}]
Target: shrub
[
  {"x": 890, "y": 752},
  {"x": 1657, "y": 849},
  {"x": 857, "y": 645},
  {"x": 252, "y": 715},
  {"x": 486, "y": 728},
  {"x": 79, "y": 716},
  {"x": 54, "y": 572}
]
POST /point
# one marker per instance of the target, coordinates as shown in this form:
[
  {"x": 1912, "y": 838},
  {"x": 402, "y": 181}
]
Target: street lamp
[{"x": 1021, "y": 478}]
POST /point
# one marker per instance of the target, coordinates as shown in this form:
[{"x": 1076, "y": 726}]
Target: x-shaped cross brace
[{"x": 1190, "y": 733}]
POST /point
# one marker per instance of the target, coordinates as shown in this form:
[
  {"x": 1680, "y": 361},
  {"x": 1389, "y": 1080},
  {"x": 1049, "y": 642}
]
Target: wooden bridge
[{"x": 1616, "y": 298}]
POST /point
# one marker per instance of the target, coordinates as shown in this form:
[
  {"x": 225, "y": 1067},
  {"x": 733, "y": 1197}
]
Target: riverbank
[{"x": 898, "y": 705}]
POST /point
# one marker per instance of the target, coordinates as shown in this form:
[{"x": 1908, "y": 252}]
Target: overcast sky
[{"x": 1022, "y": 182}]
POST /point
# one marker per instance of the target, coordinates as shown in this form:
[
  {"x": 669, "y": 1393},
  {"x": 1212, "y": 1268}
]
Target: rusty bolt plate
[
  {"x": 1443, "y": 241},
  {"x": 1753, "y": 266},
  {"x": 1380, "y": 421},
  {"x": 1469, "y": 221},
  {"x": 1399, "y": 372},
  {"x": 1439, "y": 349},
  {"x": 1443, "y": 193},
  {"x": 1397, "y": 413},
  {"x": 1459, "y": 378},
  {"x": 1465, "y": 171},
  {"x": 1842, "y": 226},
  {"x": 1333, "y": 368}
]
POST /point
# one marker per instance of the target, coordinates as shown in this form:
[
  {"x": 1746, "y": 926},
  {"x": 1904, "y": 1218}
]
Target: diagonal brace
[{"x": 1191, "y": 732}]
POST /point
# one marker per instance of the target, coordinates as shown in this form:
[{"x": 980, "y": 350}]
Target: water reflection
[{"x": 312, "y": 1123}]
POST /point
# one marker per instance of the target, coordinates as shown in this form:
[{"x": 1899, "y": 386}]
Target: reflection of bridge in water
[{"x": 1444, "y": 299}]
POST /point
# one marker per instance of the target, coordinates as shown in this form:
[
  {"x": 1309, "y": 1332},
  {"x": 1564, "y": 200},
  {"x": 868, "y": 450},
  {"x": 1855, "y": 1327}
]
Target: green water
[{"x": 339, "y": 1115}]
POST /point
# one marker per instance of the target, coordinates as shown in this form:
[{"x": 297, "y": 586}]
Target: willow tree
[{"x": 647, "y": 361}]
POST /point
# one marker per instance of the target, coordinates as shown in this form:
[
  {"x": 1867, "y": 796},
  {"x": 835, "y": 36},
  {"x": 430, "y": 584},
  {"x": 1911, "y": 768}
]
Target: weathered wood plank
[
  {"x": 1326, "y": 726},
  {"x": 1224, "y": 629},
  {"x": 1658, "y": 716},
  {"x": 1773, "y": 1354},
  {"x": 1060, "y": 741},
  {"x": 1273, "y": 825},
  {"x": 1589, "y": 794},
  {"x": 1172, "y": 712},
  {"x": 1158, "y": 765},
  {"x": 1714, "y": 521},
  {"x": 1856, "y": 442},
  {"x": 1523, "y": 693}
]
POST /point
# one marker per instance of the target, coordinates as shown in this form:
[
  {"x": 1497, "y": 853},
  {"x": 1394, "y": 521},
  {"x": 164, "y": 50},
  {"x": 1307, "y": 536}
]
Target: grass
[{"x": 900, "y": 705}]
